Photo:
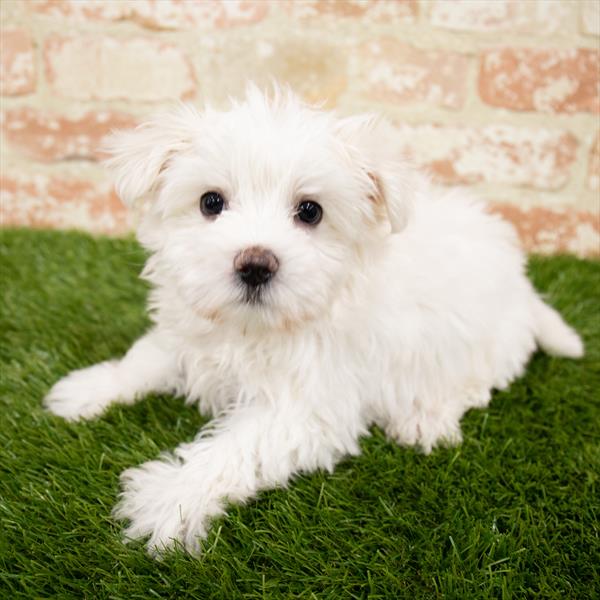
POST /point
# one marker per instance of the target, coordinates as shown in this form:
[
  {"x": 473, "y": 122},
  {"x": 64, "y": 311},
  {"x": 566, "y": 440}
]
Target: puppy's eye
[
  {"x": 309, "y": 212},
  {"x": 211, "y": 204}
]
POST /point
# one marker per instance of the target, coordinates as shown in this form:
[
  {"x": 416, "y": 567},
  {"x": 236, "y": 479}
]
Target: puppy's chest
[
  {"x": 311, "y": 368},
  {"x": 221, "y": 371}
]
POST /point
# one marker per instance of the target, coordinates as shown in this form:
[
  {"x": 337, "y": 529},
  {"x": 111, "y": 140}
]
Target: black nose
[{"x": 255, "y": 266}]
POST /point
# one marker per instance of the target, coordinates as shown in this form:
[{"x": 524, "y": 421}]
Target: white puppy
[{"x": 306, "y": 284}]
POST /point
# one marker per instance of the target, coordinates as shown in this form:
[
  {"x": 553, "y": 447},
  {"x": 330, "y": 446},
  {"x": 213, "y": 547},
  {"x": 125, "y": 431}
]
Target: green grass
[{"x": 511, "y": 513}]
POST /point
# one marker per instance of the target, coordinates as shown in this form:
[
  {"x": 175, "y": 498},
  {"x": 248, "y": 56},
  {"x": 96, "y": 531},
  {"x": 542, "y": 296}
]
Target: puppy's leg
[
  {"x": 431, "y": 414},
  {"x": 426, "y": 426},
  {"x": 433, "y": 419},
  {"x": 147, "y": 367},
  {"x": 173, "y": 500}
]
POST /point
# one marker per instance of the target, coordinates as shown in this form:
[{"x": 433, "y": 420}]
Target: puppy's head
[{"x": 262, "y": 213}]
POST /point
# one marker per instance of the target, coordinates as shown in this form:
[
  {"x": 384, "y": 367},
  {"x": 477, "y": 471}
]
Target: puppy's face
[{"x": 259, "y": 214}]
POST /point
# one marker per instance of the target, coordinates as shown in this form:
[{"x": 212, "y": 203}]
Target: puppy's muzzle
[{"x": 255, "y": 266}]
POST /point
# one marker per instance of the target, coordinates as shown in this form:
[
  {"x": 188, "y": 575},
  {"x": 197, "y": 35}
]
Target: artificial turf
[{"x": 511, "y": 513}]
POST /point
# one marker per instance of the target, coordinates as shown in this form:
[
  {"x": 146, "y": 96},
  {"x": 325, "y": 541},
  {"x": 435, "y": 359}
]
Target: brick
[
  {"x": 399, "y": 11},
  {"x": 49, "y": 137},
  {"x": 395, "y": 72},
  {"x": 547, "y": 80},
  {"x": 548, "y": 231},
  {"x": 10, "y": 11},
  {"x": 315, "y": 69},
  {"x": 537, "y": 158},
  {"x": 590, "y": 17},
  {"x": 79, "y": 10},
  {"x": 60, "y": 202},
  {"x": 182, "y": 14},
  {"x": 593, "y": 175},
  {"x": 159, "y": 14},
  {"x": 17, "y": 70},
  {"x": 532, "y": 16},
  {"x": 104, "y": 68}
]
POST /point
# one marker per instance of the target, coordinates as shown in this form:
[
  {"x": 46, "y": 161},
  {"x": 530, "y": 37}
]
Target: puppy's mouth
[{"x": 254, "y": 295}]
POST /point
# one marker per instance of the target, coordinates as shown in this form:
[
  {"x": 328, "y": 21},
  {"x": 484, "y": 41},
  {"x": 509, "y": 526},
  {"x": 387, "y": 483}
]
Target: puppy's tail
[{"x": 553, "y": 335}]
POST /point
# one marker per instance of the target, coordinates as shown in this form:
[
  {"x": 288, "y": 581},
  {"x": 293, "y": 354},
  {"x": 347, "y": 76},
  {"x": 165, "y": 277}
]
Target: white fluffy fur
[{"x": 404, "y": 307}]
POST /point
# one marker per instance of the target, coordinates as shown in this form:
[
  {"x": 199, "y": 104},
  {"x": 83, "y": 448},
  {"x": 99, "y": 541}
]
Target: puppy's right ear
[
  {"x": 138, "y": 156},
  {"x": 371, "y": 142}
]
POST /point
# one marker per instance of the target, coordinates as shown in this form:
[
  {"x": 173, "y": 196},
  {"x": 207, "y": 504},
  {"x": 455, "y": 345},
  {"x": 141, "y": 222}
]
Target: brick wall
[{"x": 501, "y": 96}]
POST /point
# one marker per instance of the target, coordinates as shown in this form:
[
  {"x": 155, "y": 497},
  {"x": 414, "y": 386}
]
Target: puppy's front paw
[
  {"x": 162, "y": 500},
  {"x": 85, "y": 393}
]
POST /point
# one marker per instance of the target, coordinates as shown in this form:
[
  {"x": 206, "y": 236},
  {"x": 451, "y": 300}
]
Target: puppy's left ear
[
  {"x": 373, "y": 149},
  {"x": 138, "y": 156}
]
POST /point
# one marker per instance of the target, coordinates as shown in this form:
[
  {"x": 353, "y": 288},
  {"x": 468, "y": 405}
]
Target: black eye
[
  {"x": 309, "y": 212},
  {"x": 211, "y": 204}
]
